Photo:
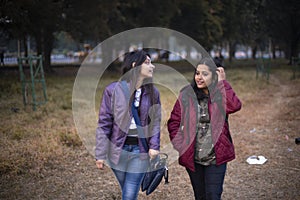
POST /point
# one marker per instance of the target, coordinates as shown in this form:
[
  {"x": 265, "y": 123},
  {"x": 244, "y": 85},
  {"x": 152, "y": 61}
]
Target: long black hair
[
  {"x": 131, "y": 74},
  {"x": 212, "y": 68}
]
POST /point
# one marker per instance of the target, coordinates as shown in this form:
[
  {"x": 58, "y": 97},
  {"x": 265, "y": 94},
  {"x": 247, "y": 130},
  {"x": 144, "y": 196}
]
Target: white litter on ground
[{"x": 256, "y": 160}]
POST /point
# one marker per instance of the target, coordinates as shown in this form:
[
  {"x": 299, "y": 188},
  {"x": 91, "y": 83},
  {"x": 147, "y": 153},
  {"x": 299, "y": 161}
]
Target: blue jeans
[
  {"x": 130, "y": 171},
  {"x": 207, "y": 181}
]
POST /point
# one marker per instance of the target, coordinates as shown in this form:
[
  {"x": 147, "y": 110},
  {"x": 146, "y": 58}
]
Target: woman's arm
[
  {"x": 174, "y": 123},
  {"x": 155, "y": 113},
  {"x": 232, "y": 102},
  {"x": 105, "y": 123}
]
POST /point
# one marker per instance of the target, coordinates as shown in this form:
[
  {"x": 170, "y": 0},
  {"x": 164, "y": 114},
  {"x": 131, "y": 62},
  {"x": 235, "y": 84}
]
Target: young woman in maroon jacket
[{"x": 199, "y": 130}]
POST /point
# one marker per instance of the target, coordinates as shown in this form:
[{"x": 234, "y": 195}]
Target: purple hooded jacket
[
  {"x": 115, "y": 118},
  {"x": 183, "y": 121}
]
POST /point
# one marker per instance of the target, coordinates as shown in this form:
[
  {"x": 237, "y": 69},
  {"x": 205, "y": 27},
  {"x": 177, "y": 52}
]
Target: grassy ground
[{"x": 42, "y": 156}]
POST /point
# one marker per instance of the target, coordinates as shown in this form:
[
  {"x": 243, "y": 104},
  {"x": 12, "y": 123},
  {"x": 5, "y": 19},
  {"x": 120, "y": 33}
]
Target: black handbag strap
[
  {"x": 135, "y": 116},
  {"x": 139, "y": 127}
]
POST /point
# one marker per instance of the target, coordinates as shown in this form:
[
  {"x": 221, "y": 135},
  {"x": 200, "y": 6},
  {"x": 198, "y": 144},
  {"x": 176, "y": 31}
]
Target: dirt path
[{"x": 267, "y": 125}]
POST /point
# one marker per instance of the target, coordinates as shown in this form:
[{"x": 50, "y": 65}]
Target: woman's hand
[
  {"x": 153, "y": 153},
  {"x": 221, "y": 73},
  {"x": 100, "y": 164}
]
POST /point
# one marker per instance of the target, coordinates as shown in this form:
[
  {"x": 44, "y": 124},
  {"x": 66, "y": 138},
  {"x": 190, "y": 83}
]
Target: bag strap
[
  {"x": 125, "y": 89},
  {"x": 135, "y": 116},
  {"x": 139, "y": 127}
]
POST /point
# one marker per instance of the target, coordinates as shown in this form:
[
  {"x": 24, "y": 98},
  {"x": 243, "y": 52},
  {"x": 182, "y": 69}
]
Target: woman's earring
[{"x": 133, "y": 64}]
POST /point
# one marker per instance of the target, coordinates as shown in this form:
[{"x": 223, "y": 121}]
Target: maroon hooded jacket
[{"x": 183, "y": 121}]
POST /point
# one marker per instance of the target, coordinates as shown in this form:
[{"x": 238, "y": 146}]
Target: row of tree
[{"x": 210, "y": 22}]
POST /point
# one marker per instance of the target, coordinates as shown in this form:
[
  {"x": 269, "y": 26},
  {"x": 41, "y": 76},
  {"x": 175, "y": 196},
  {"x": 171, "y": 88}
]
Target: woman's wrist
[{"x": 153, "y": 153}]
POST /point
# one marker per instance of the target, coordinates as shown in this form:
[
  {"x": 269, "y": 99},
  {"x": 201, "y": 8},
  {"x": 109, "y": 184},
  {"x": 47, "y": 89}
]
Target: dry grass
[
  {"x": 42, "y": 157},
  {"x": 30, "y": 140}
]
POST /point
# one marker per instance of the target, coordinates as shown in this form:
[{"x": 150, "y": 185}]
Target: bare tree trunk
[
  {"x": 48, "y": 39},
  {"x": 295, "y": 47},
  {"x": 231, "y": 50},
  {"x": 254, "y": 51},
  {"x": 47, "y": 60},
  {"x": 273, "y": 51},
  {"x": 38, "y": 45},
  {"x": 25, "y": 46}
]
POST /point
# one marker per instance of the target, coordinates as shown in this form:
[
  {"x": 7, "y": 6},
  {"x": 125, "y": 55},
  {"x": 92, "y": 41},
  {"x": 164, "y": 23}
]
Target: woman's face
[
  {"x": 203, "y": 77},
  {"x": 147, "y": 69}
]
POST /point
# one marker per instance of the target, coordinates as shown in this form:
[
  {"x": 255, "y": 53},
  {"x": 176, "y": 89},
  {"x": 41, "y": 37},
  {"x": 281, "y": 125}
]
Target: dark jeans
[{"x": 207, "y": 181}]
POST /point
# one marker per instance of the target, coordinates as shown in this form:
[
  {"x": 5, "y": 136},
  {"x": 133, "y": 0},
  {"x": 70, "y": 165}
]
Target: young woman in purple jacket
[
  {"x": 117, "y": 139},
  {"x": 199, "y": 130}
]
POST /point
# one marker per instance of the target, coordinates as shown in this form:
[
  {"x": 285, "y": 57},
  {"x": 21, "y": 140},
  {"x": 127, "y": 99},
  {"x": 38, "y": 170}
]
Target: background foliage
[{"x": 255, "y": 23}]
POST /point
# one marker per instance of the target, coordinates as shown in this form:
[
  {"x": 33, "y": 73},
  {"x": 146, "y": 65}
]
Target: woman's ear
[{"x": 133, "y": 64}]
